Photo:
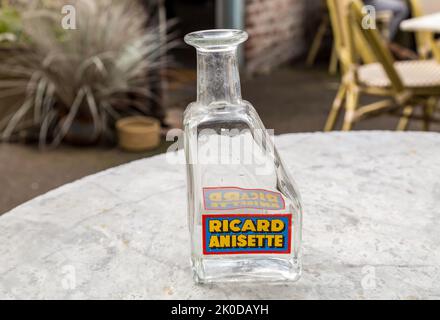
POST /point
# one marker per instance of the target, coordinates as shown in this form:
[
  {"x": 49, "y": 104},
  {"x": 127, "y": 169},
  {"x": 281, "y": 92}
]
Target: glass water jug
[{"x": 244, "y": 212}]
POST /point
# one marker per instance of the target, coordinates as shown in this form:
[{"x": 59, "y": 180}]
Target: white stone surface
[{"x": 371, "y": 227}]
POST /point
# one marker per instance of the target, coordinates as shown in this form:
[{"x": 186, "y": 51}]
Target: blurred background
[{"x": 88, "y": 85}]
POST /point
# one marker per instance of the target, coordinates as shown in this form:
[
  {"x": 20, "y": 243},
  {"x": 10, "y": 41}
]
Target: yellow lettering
[
  {"x": 213, "y": 242},
  {"x": 215, "y": 226},
  {"x": 234, "y": 242},
  {"x": 245, "y": 197},
  {"x": 263, "y": 225},
  {"x": 231, "y": 196},
  {"x": 251, "y": 240},
  {"x": 225, "y": 225},
  {"x": 241, "y": 241},
  {"x": 269, "y": 238},
  {"x": 260, "y": 238},
  {"x": 279, "y": 243},
  {"x": 234, "y": 225},
  {"x": 215, "y": 196},
  {"x": 248, "y": 225},
  {"x": 272, "y": 197},
  {"x": 225, "y": 241},
  {"x": 277, "y": 225}
]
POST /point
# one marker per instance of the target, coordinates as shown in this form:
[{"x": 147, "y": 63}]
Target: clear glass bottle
[{"x": 244, "y": 212}]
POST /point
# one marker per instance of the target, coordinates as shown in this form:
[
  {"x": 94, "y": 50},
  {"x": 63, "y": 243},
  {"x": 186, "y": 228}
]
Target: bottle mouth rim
[{"x": 216, "y": 39}]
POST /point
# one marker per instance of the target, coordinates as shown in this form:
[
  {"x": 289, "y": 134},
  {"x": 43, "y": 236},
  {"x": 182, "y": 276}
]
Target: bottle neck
[{"x": 218, "y": 79}]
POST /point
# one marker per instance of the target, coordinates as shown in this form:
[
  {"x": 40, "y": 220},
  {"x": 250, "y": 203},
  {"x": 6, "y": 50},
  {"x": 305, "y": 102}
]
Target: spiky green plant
[{"x": 96, "y": 72}]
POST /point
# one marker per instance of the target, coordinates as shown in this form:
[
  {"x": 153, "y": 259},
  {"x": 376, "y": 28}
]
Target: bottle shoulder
[{"x": 196, "y": 113}]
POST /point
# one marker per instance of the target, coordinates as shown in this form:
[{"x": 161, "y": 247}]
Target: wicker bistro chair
[
  {"x": 383, "y": 20},
  {"x": 369, "y": 68}
]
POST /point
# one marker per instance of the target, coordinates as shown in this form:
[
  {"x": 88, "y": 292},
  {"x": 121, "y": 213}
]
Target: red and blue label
[{"x": 247, "y": 234}]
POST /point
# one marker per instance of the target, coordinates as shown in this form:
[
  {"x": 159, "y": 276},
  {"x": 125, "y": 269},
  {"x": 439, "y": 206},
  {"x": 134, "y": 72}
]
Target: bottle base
[{"x": 239, "y": 269}]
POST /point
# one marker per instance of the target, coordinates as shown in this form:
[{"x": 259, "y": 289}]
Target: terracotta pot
[{"x": 138, "y": 133}]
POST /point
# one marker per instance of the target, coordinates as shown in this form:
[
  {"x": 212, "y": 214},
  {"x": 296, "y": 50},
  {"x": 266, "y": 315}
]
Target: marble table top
[
  {"x": 430, "y": 23},
  {"x": 371, "y": 227}
]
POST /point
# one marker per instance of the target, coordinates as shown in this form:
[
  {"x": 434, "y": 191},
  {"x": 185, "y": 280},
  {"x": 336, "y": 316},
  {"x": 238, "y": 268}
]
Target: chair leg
[
  {"x": 351, "y": 104},
  {"x": 317, "y": 41},
  {"x": 333, "y": 68},
  {"x": 404, "y": 120},
  {"x": 336, "y": 107},
  {"x": 428, "y": 111},
  {"x": 435, "y": 49}
]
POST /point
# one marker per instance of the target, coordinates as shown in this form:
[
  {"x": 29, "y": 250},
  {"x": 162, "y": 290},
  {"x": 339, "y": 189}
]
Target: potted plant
[{"x": 73, "y": 85}]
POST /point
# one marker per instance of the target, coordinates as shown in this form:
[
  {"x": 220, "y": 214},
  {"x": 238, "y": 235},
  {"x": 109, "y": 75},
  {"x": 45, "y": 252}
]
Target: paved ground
[{"x": 291, "y": 99}]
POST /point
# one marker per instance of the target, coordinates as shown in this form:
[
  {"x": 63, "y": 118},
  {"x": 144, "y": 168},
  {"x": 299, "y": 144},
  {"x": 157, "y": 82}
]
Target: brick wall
[{"x": 276, "y": 31}]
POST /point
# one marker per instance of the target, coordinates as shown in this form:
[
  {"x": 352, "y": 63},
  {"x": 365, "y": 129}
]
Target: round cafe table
[{"x": 371, "y": 227}]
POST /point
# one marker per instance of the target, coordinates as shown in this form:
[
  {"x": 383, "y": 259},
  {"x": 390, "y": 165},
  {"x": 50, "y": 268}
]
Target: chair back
[
  {"x": 354, "y": 42},
  {"x": 342, "y": 39},
  {"x": 347, "y": 44}
]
